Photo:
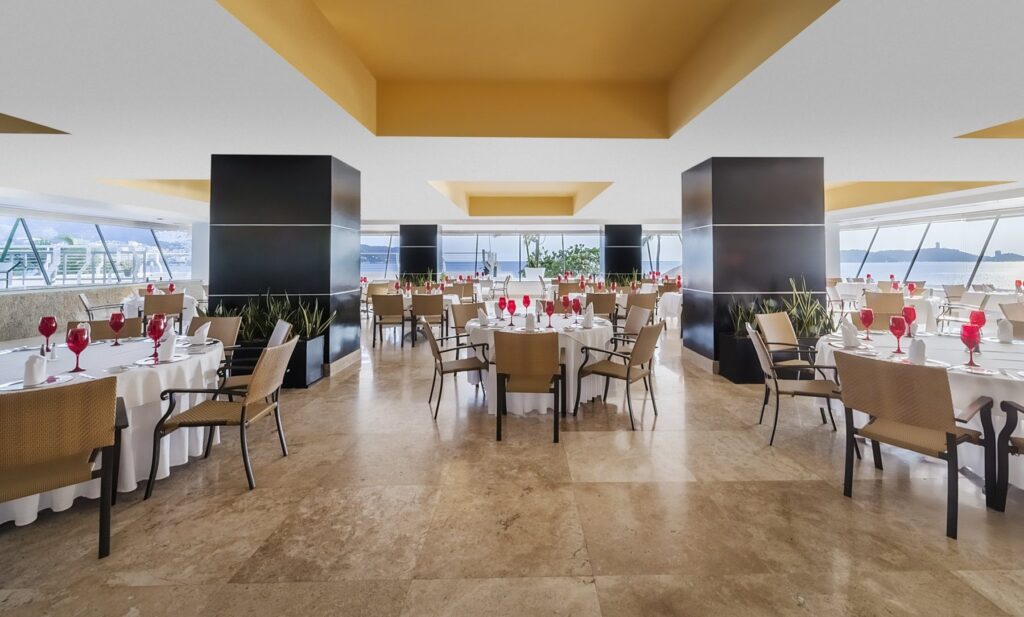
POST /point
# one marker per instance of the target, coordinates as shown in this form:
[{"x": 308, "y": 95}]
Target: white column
[
  {"x": 831, "y": 248},
  {"x": 201, "y": 251}
]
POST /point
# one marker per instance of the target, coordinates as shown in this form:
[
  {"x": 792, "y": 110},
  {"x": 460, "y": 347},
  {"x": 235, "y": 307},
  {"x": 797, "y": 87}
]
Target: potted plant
[{"x": 737, "y": 360}]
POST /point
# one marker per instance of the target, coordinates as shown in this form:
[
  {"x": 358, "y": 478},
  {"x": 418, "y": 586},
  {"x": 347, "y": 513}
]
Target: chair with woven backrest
[
  {"x": 832, "y": 281},
  {"x": 461, "y": 314},
  {"x": 171, "y": 305},
  {"x": 428, "y": 308},
  {"x": 632, "y": 369},
  {"x": 910, "y": 407},
  {"x": 224, "y": 329},
  {"x": 100, "y": 330},
  {"x": 648, "y": 301},
  {"x": 665, "y": 288},
  {"x": 603, "y": 303},
  {"x": 780, "y": 337},
  {"x": 444, "y": 367},
  {"x": 92, "y": 309},
  {"x": 1007, "y": 444},
  {"x": 827, "y": 389},
  {"x": 258, "y": 399},
  {"x": 884, "y": 305},
  {"x": 233, "y": 364},
  {"x": 377, "y": 288},
  {"x": 1014, "y": 313},
  {"x": 464, "y": 291},
  {"x": 388, "y": 312},
  {"x": 959, "y": 311},
  {"x": 626, "y": 334},
  {"x": 954, "y": 292},
  {"x": 528, "y": 363},
  {"x": 49, "y": 438},
  {"x": 919, "y": 288},
  {"x": 568, "y": 287}
]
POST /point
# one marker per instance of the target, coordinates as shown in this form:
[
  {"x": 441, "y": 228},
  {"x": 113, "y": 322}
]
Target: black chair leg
[
  {"x": 765, "y": 403},
  {"x": 245, "y": 457},
  {"x": 433, "y": 384},
  {"x": 565, "y": 392},
  {"x": 775, "y": 423},
  {"x": 153, "y": 465},
  {"x": 876, "y": 453},
  {"x": 280, "y": 431},
  {"x": 607, "y": 382},
  {"x": 952, "y": 486},
  {"x": 851, "y": 447},
  {"x": 373, "y": 327},
  {"x": 629, "y": 404},
  {"x": 106, "y": 488},
  {"x": 650, "y": 388},
  {"x": 828, "y": 405},
  {"x": 209, "y": 442},
  {"x": 440, "y": 391},
  {"x": 115, "y": 470},
  {"x": 500, "y": 410},
  {"x": 559, "y": 406},
  {"x": 579, "y": 390}
]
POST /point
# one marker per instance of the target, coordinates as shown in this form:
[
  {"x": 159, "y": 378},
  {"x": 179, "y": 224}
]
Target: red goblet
[
  {"x": 149, "y": 288},
  {"x": 867, "y": 317},
  {"x": 978, "y": 318},
  {"x": 632, "y": 287},
  {"x": 559, "y": 279},
  {"x": 502, "y": 303},
  {"x": 583, "y": 285},
  {"x": 511, "y": 312},
  {"x": 549, "y": 308},
  {"x": 600, "y": 285},
  {"x": 77, "y": 340},
  {"x": 565, "y": 304},
  {"x": 398, "y": 286},
  {"x": 47, "y": 326},
  {"x": 1018, "y": 284},
  {"x": 116, "y": 322},
  {"x": 429, "y": 286},
  {"x": 577, "y": 306},
  {"x": 897, "y": 327},
  {"x": 970, "y": 336},
  {"x": 170, "y": 287},
  {"x": 911, "y": 287},
  {"x": 615, "y": 286},
  {"x": 461, "y": 278},
  {"x": 895, "y": 285},
  {"x": 526, "y": 303},
  {"x": 910, "y": 315},
  {"x": 155, "y": 330},
  {"x": 441, "y": 287}
]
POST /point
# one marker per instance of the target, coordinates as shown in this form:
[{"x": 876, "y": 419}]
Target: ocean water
[{"x": 934, "y": 273}]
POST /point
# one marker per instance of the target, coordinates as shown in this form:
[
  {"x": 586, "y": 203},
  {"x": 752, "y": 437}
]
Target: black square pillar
[
  {"x": 288, "y": 225},
  {"x": 622, "y": 246},
  {"x": 419, "y": 250},
  {"x": 749, "y": 225}
]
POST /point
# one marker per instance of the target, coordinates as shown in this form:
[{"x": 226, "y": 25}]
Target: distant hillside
[{"x": 927, "y": 254}]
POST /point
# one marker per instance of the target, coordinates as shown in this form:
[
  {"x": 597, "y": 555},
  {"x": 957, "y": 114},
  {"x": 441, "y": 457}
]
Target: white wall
[
  {"x": 831, "y": 249},
  {"x": 201, "y": 251}
]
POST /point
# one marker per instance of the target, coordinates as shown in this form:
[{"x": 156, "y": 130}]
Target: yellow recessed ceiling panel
[
  {"x": 842, "y": 195},
  {"x": 10, "y": 124},
  {"x": 196, "y": 189},
  {"x": 520, "y": 198},
  {"x": 1013, "y": 129}
]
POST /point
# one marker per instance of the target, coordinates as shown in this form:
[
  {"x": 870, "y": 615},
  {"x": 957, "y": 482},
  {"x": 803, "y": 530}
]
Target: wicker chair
[
  {"x": 626, "y": 334},
  {"x": 388, "y": 312},
  {"x": 910, "y": 407},
  {"x": 603, "y": 303},
  {"x": 648, "y": 301},
  {"x": 461, "y": 314},
  {"x": 528, "y": 363},
  {"x": 665, "y": 288},
  {"x": 501, "y": 289},
  {"x": 884, "y": 304},
  {"x": 92, "y": 309},
  {"x": 377, "y": 288},
  {"x": 428, "y": 308},
  {"x": 49, "y": 438},
  {"x": 631, "y": 370},
  {"x": 954, "y": 292},
  {"x": 444, "y": 367},
  {"x": 1014, "y": 313},
  {"x": 566, "y": 288},
  {"x": 957, "y": 312},
  {"x": 224, "y": 329},
  {"x": 100, "y": 329},
  {"x": 827, "y": 389},
  {"x": 172, "y": 305},
  {"x": 229, "y": 379},
  {"x": 780, "y": 338},
  {"x": 258, "y": 400}
]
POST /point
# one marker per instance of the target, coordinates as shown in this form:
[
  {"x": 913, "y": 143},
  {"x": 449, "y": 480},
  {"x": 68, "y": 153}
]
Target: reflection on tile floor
[{"x": 380, "y": 510}]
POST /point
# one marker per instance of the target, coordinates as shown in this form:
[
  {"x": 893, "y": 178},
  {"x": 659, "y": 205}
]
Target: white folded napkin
[
  {"x": 1004, "y": 330},
  {"x": 849, "y": 332},
  {"x": 199, "y": 337},
  {"x": 917, "y": 353},
  {"x": 168, "y": 330},
  {"x": 481, "y": 316},
  {"x": 531, "y": 322},
  {"x": 35, "y": 371},
  {"x": 166, "y": 350},
  {"x": 588, "y": 318}
]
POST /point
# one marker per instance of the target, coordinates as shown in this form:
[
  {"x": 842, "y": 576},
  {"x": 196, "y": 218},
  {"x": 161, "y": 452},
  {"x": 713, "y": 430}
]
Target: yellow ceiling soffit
[
  {"x": 747, "y": 35},
  {"x": 300, "y": 34},
  {"x": 1013, "y": 129},
  {"x": 520, "y": 198},
  {"x": 842, "y": 195},
  {"x": 10, "y": 124},
  {"x": 194, "y": 189}
]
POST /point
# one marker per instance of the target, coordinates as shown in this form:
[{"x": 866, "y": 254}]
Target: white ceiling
[{"x": 151, "y": 89}]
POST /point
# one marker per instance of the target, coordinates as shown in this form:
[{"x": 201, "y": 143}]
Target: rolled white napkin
[
  {"x": 199, "y": 337},
  {"x": 917, "y": 353},
  {"x": 1004, "y": 330},
  {"x": 481, "y": 316},
  {"x": 849, "y": 332},
  {"x": 168, "y": 330},
  {"x": 35, "y": 371},
  {"x": 166, "y": 350},
  {"x": 531, "y": 322},
  {"x": 588, "y": 318}
]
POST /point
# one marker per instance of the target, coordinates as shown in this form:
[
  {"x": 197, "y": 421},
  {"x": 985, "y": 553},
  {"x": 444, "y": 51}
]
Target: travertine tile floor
[{"x": 379, "y": 510}]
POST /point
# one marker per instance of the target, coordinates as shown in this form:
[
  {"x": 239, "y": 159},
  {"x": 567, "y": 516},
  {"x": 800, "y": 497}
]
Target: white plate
[
  {"x": 178, "y": 357},
  {"x": 992, "y": 339},
  {"x": 974, "y": 370},
  {"x": 50, "y": 381},
  {"x": 845, "y": 348}
]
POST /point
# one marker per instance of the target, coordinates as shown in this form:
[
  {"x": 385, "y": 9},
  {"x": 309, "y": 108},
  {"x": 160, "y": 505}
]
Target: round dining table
[
  {"x": 572, "y": 337},
  {"x": 1000, "y": 377},
  {"x": 133, "y": 304},
  {"x": 140, "y": 387}
]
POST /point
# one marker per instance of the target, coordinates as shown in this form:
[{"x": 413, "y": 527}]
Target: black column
[
  {"x": 622, "y": 248},
  {"x": 419, "y": 249},
  {"x": 749, "y": 225},
  {"x": 288, "y": 225}
]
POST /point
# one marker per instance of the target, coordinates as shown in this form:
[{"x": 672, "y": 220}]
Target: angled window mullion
[
  {"x": 913, "y": 259},
  {"x": 160, "y": 250},
  {"x": 866, "y": 253},
  {"x": 10, "y": 240},
  {"x": 35, "y": 252},
  {"x": 981, "y": 255},
  {"x": 387, "y": 258},
  {"x": 106, "y": 250}
]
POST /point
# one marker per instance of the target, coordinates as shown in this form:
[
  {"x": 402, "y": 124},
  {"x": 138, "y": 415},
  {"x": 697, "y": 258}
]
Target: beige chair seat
[
  {"x": 395, "y": 320},
  {"x": 922, "y": 440},
  {"x": 607, "y": 368},
  {"x": 810, "y": 387},
  {"x": 464, "y": 364},
  {"x": 55, "y": 473},
  {"x": 1017, "y": 443},
  {"x": 434, "y": 320},
  {"x": 217, "y": 413},
  {"x": 529, "y": 383},
  {"x": 791, "y": 363}
]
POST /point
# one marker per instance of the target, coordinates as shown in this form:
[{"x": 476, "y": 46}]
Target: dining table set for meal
[{"x": 143, "y": 366}]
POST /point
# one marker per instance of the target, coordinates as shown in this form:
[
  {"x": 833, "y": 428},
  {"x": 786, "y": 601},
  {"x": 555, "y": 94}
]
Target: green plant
[
  {"x": 260, "y": 314},
  {"x": 311, "y": 320},
  {"x": 809, "y": 316},
  {"x": 742, "y": 313}
]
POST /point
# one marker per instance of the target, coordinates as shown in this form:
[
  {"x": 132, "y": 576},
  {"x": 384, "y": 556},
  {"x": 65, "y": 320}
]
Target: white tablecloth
[
  {"x": 927, "y": 310},
  {"x": 449, "y": 299},
  {"x": 854, "y": 291},
  {"x": 570, "y": 344},
  {"x": 140, "y": 387},
  {"x": 965, "y": 387},
  {"x": 670, "y": 304},
  {"x": 132, "y": 307}
]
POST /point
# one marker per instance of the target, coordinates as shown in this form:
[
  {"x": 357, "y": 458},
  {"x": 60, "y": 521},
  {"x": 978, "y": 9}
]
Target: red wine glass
[
  {"x": 970, "y": 336},
  {"x": 565, "y": 304},
  {"x": 577, "y": 306},
  {"x": 867, "y": 317},
  {"x": 170, "y": 287},
  {"x": 77, "y": 340},
  {"x": 502, "y": 304},
  {"x": 583, "y": 285},
  {"x": 526, "y": 303},
  {"x": 911, "y": 287},
  {"x": 978, "y": 318},
  {"x": 116, "y": 322},
  {"x": 549, "y": 308},
  {"x": 511, "y": 312},
  {"x": 910, "y": 315},
  {"x": 155, "y": 330},
  {"x": 149, "y": 289},
  {"x": 897, "y": 327},
  {"x": 47, "y": 326}
]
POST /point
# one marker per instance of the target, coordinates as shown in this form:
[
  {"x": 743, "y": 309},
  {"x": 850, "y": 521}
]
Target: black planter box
[
  {"x": 737, "y": 360},
  {"x": 307, "y": 364}
]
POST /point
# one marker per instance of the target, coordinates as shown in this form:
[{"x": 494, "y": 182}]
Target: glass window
[
  {"x": 544, "y": 251},
  {"x": 176, "y": 245},
  {"x": 583, "y": 253},
  {"x": 134, "y": 252},
  {"x": 853, "y": 243},
  {"x": 376, "y": 259},
  {"x": 71, "y": 252},
  {"x": 949, "y": 252},
  {"x": 18, "y": 266},
  {"x": 1004, "y": 258},
  {"x": 892, "y": 251},
  {"x": 662, "y": 252},
  {"x": 500, "y": 254},
  {"x": 458, "y": 254}
]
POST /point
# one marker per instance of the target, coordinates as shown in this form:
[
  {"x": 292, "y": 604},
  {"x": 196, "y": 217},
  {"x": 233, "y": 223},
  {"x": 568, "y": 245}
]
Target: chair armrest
[
  {"x": 605, "y": 351},
  {"x": 972, "y": 410},
  {"x": 104, "y": 306},
  {"x": 467, "y": 346},
  {"x": 623, "y": 339},
  {"x": 120, "y": 414},
  {"x": 166, "y": 394},
  {"x": 792, "y": 346},
  {"x": 1010, "y": 407}
]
